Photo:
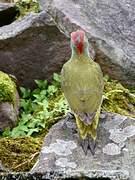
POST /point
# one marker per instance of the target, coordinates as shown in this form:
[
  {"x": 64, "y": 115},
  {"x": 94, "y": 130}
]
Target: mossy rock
[{"x": 7, "y": 89}]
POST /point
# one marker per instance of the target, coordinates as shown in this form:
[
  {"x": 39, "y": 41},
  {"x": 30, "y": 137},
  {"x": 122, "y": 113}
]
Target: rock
[
  {"x": 110, "y": 27},
  {"x": 31, "y": 176},
  {"x": 114, "y": 156},
  {"x": 8, "y": 115},
  {"x": 9, "y": 102},
  {"x": 32, "y": 48},
  {"x": 8, "y": 13},
  {"x": 7, "y": 1},
  {"x": 50, "y": 176}
]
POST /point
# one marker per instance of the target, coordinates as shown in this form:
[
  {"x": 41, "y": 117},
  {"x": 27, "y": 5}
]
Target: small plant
[{"x": 39, "y": 108}]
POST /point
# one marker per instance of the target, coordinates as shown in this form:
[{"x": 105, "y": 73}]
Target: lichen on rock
[
  {"x": 64, "y": 162},
  {"x": 121, "y": 135},
  {"x": 61, "y": 147},
  {"x": 112, "y": 149}
]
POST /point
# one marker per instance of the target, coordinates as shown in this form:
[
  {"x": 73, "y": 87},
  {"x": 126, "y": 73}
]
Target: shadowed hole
[{"x": 8, "y": 16}]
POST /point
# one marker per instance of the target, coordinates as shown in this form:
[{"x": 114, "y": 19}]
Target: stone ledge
[{"x": 115, "y": 152}]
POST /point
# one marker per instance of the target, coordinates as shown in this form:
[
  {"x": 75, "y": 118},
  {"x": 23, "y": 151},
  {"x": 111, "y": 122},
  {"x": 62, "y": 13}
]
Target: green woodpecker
[{"x": 82, "y": 85}]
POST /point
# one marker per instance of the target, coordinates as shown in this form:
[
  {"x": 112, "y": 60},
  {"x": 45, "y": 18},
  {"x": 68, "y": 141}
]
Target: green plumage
[{"x": 82, "y": 84}]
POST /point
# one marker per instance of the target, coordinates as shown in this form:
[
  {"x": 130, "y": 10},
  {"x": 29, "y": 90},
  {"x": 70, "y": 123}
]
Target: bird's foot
[
  {"x": 88, "y": 144},
  {"x": 92, "y": 145},
  {"x": 85, "y": 145}
]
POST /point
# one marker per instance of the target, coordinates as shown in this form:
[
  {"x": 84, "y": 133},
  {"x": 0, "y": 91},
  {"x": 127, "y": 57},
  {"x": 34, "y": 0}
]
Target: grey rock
[
  {"x": 31, "y": 176},
  {"x": 7, "y": 1},
  {"x": 8, "y": 12},
  {"x": 32, "y": 48},
  {"x": 5, "y": 6},
  {"x": 110, "y": 27},
  {"x": 9, "y": 113},
  {"x": 114, "y": 159}
]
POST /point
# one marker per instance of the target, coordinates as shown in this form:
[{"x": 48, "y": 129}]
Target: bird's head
[{"x": 79, "y": 41}]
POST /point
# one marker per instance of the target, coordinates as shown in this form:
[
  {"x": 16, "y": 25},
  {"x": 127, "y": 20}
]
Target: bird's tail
[
  {"x": 88, "y": 132},
  {"x": 87, "y": 126}
]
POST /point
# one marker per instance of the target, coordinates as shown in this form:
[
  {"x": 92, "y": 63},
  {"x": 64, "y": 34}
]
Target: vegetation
[
  {"x": 43, "y": 107},
  {"x": 26, "y": 6},
  {"x": 39, "y": 108},
  {"x": 118, "y": 99},
  {"x": 7, "y": 88}
]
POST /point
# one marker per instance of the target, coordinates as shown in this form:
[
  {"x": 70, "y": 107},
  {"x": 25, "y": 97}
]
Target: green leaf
[
  {"x": 16, "y": 132},
  {"x": 36, "y": 91},
  {"x": 42, "y": 84},
  {"x": 40, "y": 97},
  {"x": 51, "y": 90},
  {"x": 56, "y": 77},
  {"x": 27, "y": 105},
  {"x": 24, "y": 119},
  {"x": 31, "y": 131},
  {"x": 25, "y": 92},
  {"x": 56, "y": 80},
  {"x": 6, "y": 132}
]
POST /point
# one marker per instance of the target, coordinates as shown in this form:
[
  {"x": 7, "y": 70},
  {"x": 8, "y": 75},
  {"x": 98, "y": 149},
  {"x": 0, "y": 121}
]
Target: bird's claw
[{"x": 88, "y": 144}]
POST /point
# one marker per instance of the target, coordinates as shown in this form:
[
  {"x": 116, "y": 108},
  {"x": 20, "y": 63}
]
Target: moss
[
  {"x": 20, "y": 154},
  {"x": 118, "y": 99},
  {"x": 26, "y": 6},
  {"x": 7, "y": 89}
]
